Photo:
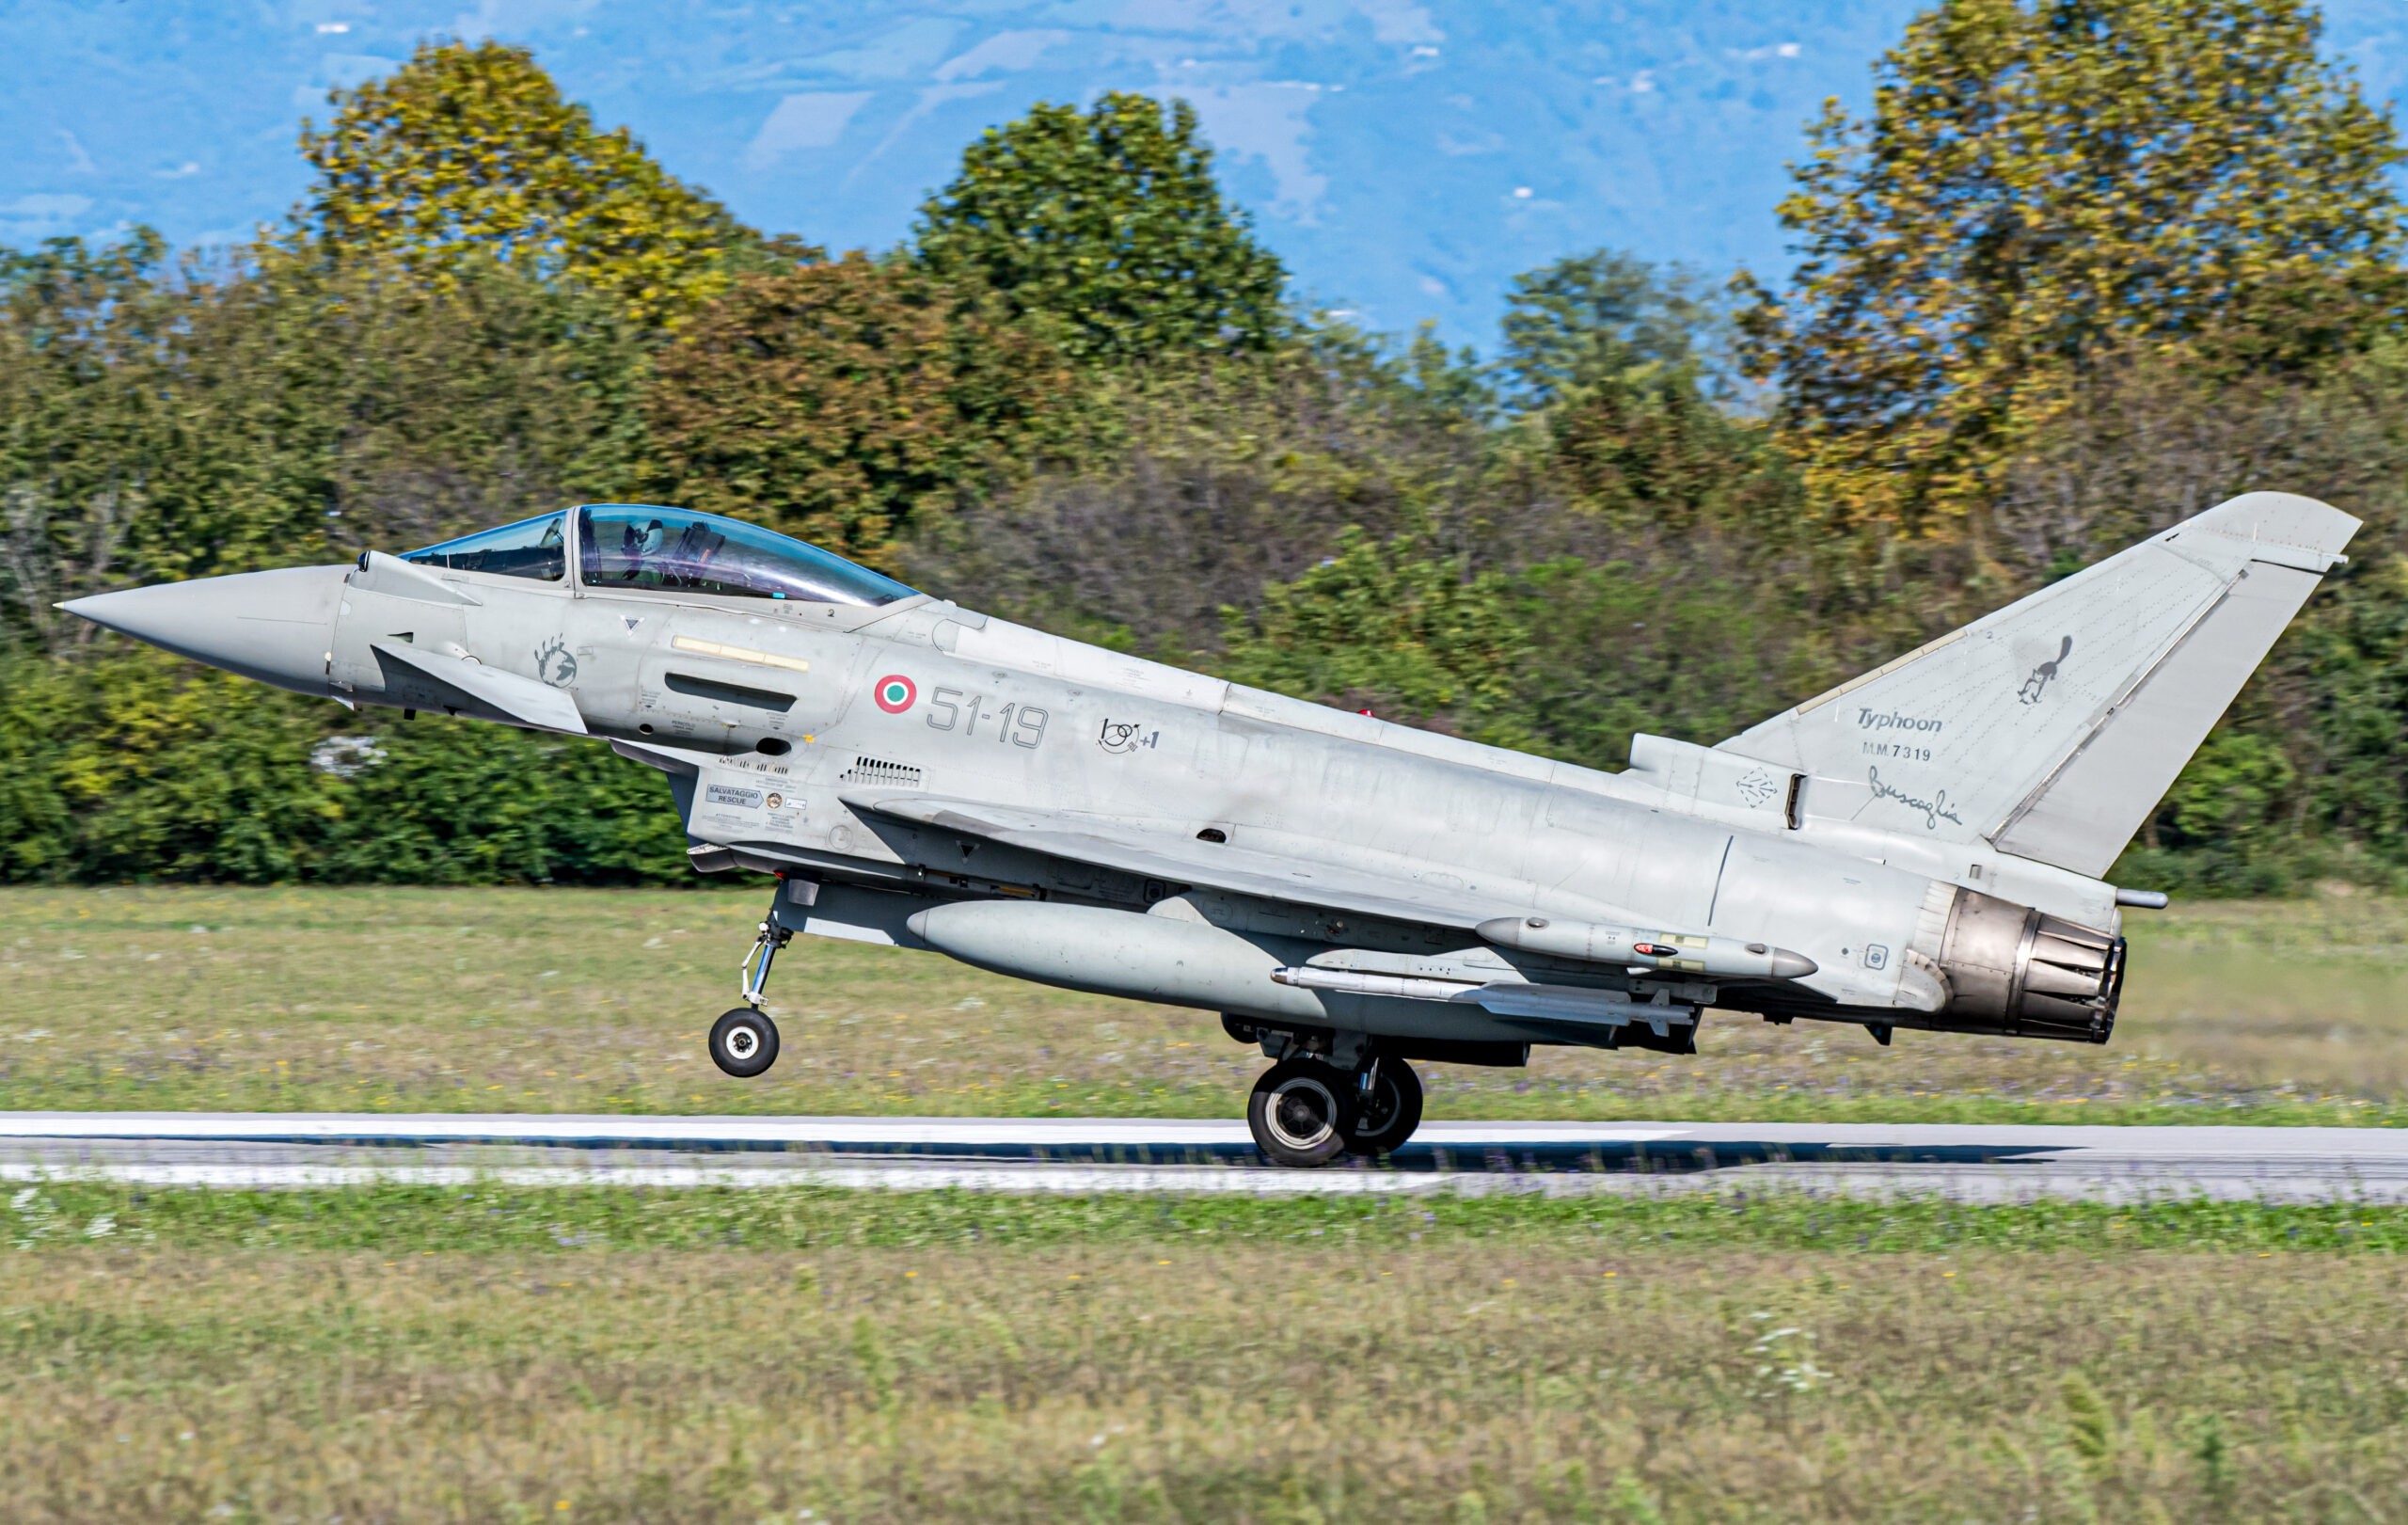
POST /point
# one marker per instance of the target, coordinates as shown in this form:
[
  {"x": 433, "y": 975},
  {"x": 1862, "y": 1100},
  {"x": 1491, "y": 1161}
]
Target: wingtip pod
[{"x": 1721, "y": 957}]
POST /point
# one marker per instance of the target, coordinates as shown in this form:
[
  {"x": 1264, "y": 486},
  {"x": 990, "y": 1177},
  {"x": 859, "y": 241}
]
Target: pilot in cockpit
[{"x": 637, "y": 544}]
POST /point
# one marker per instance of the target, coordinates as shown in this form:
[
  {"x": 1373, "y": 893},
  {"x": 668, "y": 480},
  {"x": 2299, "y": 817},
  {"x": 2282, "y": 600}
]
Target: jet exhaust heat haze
[{"x": 1920, "y": 848}]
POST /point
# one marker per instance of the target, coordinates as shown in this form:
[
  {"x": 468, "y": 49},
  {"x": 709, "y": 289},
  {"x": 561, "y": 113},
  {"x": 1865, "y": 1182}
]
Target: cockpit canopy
[{"x": 641, "y": 547}]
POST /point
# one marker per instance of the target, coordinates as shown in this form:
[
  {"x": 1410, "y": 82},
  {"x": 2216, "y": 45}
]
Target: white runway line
[{"x": 1975, "y": 1163}]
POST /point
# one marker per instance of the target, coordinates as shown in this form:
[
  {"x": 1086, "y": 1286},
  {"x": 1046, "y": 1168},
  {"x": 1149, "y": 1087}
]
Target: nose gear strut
[
  {"x": 744, "y": 1042},
  {"x": 755, "y": 967}
]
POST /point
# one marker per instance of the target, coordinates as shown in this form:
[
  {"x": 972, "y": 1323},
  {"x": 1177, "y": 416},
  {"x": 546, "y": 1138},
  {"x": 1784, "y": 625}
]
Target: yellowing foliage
[
  {"x": 2044, "y": 184},
  {"x": 470, "y": 151}
]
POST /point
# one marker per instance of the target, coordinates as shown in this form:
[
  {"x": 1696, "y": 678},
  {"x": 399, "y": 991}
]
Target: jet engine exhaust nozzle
[{"x": 2016, "y": 972}]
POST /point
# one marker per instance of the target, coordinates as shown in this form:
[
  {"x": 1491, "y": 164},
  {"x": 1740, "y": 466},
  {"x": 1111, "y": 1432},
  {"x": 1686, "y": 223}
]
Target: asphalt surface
[{"x": 267, "y": 1149}]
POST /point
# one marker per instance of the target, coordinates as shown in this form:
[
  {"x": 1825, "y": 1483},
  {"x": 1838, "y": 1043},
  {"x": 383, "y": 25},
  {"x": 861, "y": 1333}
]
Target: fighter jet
[{"x": 1923, "y": 846}]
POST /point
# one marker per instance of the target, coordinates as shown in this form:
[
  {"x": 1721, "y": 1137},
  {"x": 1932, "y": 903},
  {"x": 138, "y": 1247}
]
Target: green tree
[
  {"x": 1593, "y": 317},
  {"x": 189, "y": 419},
  {"x": 469, "y": 148},
  {"x": 121, "y": 762},
  {"x": 2042, "y": 184},
  {"x": 839, "y": 402},
  {"x": 1647, "y": 450},
  {"x": 1670, "y": 649},
  {"x": 1189, "y": 488},
  {"x": 2349, "y": 671},
  {"x": 86, "y": 340},
  {"x": 321, "y": 409},
  {"x": 1391, "y": 628},
  {"x": 1109, "y": 226}
]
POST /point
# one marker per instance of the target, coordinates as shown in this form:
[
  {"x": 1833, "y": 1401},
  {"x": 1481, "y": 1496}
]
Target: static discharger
[
  {"x": 739, "y": 654},
  {"x": 1719, "y": 958}
]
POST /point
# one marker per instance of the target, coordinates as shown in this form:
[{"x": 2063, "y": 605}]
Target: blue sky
[{"x": 1406, "y": 159}]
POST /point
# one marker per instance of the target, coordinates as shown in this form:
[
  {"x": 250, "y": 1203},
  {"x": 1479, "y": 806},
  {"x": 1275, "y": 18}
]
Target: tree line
[{"x": 2085, "y": 268}]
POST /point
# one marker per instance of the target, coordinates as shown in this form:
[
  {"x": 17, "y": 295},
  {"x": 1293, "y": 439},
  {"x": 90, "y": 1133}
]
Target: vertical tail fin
[{"x": 2053, "y": 727}]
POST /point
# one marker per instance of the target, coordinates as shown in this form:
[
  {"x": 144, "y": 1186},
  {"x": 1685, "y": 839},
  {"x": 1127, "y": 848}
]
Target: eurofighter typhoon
[{"x": 1923, "y": 846}]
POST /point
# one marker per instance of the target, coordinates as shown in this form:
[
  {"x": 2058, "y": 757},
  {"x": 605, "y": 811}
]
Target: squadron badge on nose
[{"x": 555, "y": 664}]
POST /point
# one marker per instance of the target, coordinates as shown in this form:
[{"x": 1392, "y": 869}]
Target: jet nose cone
[{"x": 275, "y": 627}]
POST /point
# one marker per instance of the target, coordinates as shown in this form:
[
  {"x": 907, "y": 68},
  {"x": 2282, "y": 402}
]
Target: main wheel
[
  {"x": 1300, "y": 1112},
  {"x": 744, "y": 1042},
  {"x": 1387, "y": 1118}
]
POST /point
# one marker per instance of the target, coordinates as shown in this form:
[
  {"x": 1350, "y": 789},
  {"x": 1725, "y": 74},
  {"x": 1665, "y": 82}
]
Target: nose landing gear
[{"x": 744, "y": 1042}]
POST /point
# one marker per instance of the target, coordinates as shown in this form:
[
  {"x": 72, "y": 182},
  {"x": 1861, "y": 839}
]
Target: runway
[{"x": 1974, "y": 1164}]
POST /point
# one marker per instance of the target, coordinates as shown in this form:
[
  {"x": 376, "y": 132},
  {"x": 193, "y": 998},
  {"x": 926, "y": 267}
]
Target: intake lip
[{"x": 275, "y": 627}]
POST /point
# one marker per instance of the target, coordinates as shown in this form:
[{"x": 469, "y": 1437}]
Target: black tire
[
  {"x": 744, "y": 1042},
  {"x": 1386, "y": 1119},
  {"x": 1300, "y": 1113}
]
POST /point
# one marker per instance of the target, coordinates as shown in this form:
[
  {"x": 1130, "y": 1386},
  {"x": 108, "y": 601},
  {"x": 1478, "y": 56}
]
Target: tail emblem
[{"x": 2037, "y": 684}]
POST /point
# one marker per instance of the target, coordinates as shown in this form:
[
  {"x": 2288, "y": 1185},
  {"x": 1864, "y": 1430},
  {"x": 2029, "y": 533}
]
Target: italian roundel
[{"x": 896, "y": 694}]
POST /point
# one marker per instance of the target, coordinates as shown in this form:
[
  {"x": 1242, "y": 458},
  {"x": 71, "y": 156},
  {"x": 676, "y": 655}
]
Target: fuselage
[
  {"x": 787, "y": 724},
  {"x": 925, "y": 695}
]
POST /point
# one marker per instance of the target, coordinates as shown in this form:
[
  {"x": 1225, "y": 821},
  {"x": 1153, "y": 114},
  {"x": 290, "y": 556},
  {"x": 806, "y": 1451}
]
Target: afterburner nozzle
[{"x": 274, "y": 626}]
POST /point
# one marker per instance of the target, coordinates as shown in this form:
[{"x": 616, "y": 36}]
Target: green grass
[
  {"x": 572, "y": 1000},
  {"x": 492, "y": 1218},
  {"x": 605, "y": 1354},
  {"x": 799, "y": 1354}
]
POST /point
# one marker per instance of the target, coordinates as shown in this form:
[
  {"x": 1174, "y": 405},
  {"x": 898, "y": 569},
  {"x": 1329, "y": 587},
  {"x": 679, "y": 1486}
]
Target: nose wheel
[{"x": 744, "y": 1042}]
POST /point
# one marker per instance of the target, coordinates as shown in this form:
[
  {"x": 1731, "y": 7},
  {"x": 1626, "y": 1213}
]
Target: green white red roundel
[{"x": 896, "y": 694}]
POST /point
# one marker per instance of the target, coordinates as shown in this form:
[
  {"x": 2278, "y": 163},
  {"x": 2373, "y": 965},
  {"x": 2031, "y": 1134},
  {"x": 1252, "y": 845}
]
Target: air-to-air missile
[{"x": 1923, "y": 846}]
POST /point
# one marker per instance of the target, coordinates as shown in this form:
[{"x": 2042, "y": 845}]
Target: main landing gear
[
  {"x": 1309, "y": 1109},
  {"x": 744, "y": 1042}
]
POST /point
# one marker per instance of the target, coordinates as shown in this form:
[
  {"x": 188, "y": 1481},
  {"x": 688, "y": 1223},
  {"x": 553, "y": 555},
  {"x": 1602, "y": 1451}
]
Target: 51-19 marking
[{"x": 1023, "y": 725}]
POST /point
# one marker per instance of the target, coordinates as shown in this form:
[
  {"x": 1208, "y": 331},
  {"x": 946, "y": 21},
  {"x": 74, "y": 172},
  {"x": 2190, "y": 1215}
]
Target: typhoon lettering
[{"x": 1874, "y": 719}]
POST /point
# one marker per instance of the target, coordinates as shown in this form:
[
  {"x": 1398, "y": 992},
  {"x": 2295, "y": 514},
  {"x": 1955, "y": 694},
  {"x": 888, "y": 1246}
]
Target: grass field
[
  {"x": 810, "y": 1355},
  {"x": 570, "y": 1000}
]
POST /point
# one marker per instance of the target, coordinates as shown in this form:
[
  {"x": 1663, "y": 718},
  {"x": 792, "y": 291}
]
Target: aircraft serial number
[
  {"x": 1023, "y": 725},
  {"x": 1894, "y": 749}
]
